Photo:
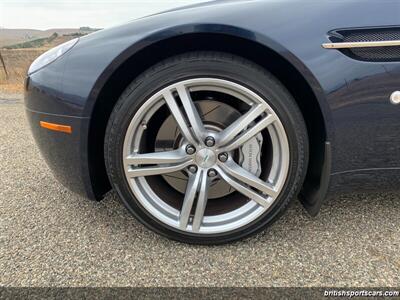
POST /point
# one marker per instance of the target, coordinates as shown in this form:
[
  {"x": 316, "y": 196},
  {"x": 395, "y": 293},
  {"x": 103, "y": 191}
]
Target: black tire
[{"x": 219, "y": 65}]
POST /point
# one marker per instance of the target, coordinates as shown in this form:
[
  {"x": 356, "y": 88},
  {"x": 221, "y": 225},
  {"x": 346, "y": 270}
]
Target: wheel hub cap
[{"x": 206, "y": 158}]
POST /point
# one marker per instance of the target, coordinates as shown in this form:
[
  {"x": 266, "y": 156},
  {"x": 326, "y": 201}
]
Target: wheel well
[{"x": 263, "y": 56}]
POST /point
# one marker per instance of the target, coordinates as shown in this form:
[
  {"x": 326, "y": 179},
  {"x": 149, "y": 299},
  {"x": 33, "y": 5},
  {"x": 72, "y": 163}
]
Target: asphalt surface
[{"x": 52, "y": 237}]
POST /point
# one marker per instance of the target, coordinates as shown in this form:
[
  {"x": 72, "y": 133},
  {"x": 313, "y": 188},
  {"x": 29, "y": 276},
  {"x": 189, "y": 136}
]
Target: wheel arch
[{"x": 266, "y": 53}]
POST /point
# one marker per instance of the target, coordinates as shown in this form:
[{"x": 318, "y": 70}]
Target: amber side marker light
[{"x": 56, "y": 127}]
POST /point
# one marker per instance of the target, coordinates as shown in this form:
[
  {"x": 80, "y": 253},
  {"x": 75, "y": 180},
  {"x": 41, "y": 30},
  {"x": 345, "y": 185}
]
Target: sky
[{"x": 47, "y": 14}]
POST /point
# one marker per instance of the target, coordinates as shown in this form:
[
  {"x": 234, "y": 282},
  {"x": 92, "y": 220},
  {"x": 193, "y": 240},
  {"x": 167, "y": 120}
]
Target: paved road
[{"x": 51, "y": 237}]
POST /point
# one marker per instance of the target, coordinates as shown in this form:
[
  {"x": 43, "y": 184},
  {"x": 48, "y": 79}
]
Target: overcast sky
[{"x": 46, "y": 14}]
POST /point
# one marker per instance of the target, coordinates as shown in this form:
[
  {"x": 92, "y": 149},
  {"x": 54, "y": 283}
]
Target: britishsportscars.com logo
[{"x": 361, "y": 293}]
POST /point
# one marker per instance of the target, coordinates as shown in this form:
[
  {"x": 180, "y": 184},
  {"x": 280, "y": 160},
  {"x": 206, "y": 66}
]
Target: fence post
[{"x": 4, "y": 65}]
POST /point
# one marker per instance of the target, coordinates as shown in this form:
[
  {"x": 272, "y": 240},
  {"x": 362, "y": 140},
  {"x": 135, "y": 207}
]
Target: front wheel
[{"x": 206, "y": 148}]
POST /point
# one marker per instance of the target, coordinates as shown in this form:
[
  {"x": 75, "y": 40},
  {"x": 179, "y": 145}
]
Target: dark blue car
[{"x": 210, "y": 119}]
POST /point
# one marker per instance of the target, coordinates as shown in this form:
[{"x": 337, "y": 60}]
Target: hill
[
  {"x": 47, "y": 42},
  {"x": 10, "y": 37}
]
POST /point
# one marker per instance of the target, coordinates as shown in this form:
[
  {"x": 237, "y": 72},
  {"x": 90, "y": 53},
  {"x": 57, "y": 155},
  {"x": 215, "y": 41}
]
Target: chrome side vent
[{"x": 367, "y": 44}]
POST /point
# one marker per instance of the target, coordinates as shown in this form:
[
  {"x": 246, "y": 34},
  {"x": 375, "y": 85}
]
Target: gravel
[{"x": 52, "y": 237}]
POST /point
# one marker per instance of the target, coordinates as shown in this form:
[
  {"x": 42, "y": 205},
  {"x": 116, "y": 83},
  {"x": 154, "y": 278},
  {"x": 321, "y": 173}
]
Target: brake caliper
[{"x": 250, "y": 155}]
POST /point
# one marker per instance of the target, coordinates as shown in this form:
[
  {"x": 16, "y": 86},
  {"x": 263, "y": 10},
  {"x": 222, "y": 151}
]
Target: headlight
[{"x": 51, "y": 55}]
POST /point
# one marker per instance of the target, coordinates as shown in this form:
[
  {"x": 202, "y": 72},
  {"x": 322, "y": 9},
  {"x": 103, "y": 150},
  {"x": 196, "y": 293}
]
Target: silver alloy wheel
[{"x": 262, "y": 193}]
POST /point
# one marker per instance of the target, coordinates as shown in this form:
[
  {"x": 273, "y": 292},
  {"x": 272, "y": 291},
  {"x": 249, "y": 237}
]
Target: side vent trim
[{"x": 350, "y": 45}]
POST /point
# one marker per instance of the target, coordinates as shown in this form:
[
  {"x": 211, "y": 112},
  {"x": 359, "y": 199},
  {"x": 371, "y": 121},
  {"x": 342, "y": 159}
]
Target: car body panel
[
  {"x": 361, "y": 124},
  {"x": 64, "y": 153}
]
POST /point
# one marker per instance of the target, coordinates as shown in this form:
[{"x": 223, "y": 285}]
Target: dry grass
[{"x": 17, "y": 62}]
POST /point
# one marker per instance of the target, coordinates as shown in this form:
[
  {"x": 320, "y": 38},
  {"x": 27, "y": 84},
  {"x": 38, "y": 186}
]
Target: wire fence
[{"x": 14, "y": 64}]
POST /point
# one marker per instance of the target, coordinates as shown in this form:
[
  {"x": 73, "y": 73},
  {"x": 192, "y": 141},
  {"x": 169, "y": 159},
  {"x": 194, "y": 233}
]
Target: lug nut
[
  {"x": 212, "y": 173},
  {"x": 210, "y": 142},
  {"x": 223, "y": 157},
  {"x": 190, "y": 149},
  {"x": 192, "y": 169}
]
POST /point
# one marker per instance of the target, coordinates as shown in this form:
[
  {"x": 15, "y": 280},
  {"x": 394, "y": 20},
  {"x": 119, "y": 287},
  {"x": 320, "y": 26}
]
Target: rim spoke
[
  {"x": 191, "y": 191},
  {"x": 201, "y": 202},
  {"x": 192, "y": 129},
  {"x": 250, "y": 133},
  {"x": 178, "y": 116},
  {"x": 245, "y": 190},
  {"x": 241, "y": 174},
  {"x": 192, "y": 113},
  {"x": 164, "y": 157},
  {"x": 240, "y": 124},
  {"x": 197, "y": 186},
  {"x": 157, "y": 170}
]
